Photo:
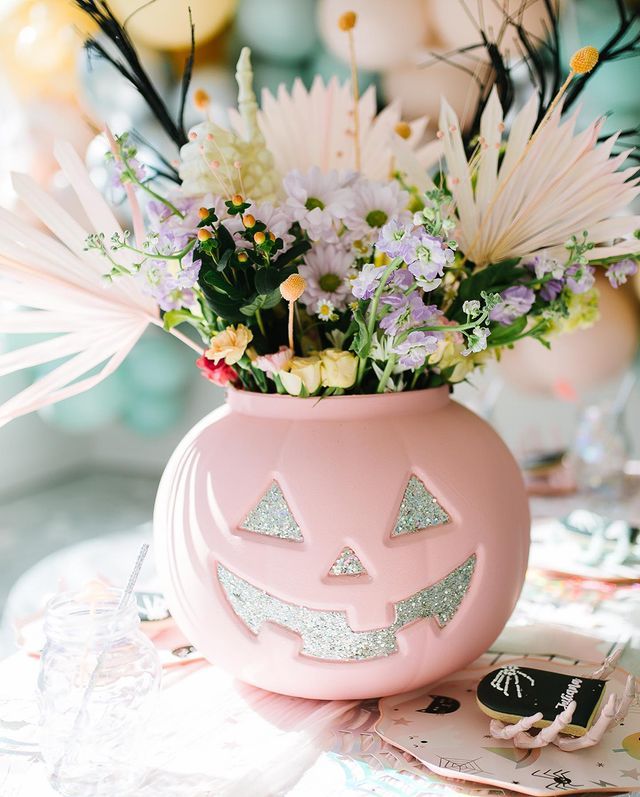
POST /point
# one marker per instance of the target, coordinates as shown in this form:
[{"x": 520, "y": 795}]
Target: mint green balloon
[
  {"x": 271, "y": 75},
  {"x": 326, "y": 65},
  {"x": 284, "y": 31},
  {"x": 159, "y": 364},
  {"x": 613, "y": 88},
  {"x": 89, "y": 411},
  {"x": 151, "y": 415}
]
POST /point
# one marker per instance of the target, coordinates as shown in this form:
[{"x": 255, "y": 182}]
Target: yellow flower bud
[
  {"x": 403, "y": 130},
  {"x": 347, "y": 21},
  {"x": 301, "y": 372},
  {"x": 584, "y": 59},
  {"x": 293, "y": 287}
]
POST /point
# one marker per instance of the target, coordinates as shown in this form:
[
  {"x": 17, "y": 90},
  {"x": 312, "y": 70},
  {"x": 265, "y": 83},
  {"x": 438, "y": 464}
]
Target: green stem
[
  {"x": 391, "y": 362},
  {"x": 260, "y": 322},
  {"x": 157, "y": 255},
  {"x": 157, "y": 197},
  {"x": 372, "y": 311}
]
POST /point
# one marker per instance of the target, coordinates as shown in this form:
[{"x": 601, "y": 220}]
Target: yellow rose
[
  {"x": 302, "y": 372},
  {"x": 230, "y": 345},
  {"x": 338, "y": 368}
]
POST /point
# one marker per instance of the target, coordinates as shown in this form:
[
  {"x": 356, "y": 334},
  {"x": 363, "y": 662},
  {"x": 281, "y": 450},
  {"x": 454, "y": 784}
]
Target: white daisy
[
  {"x": 325, "y": 310},
  {"x": 318, "y": 201},
  {"x": 373, "y": 205},
  {"x": 327, "y": 270}
]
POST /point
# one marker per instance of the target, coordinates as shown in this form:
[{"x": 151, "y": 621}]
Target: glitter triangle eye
[
  {"x": 419, "y": 509},
  {"x": 347, "y": 564},
  {"x": 271, "y": 516}
]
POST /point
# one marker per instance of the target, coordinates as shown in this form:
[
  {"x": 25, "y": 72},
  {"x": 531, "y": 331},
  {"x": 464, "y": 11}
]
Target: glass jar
[{"x": 99, "y": 675}]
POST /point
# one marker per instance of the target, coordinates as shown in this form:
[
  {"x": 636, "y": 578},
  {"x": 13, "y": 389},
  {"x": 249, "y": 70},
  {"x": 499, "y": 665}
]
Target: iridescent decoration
[
  {"x": 273, "y": 517},
  {"x": 419, "y": 510},
  {"x": 327, "y": 634},
  {"x": 347, "y": 564}
]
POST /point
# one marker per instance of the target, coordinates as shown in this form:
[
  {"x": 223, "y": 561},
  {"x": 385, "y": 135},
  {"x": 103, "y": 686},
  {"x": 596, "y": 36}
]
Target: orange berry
[
  {"x": 249, "y": 221},
  {"x": 242, "y": 257},
  {"x": 259, "y": 237},
  {"x": 203, "y": 213},
  {"x": 272, "y": 237},
  {"x": 347, "y": 21},
  {"x": 203, "y": 234},
  {"x": 237, "y": 200},
  {"x": 293, "y": 287}
]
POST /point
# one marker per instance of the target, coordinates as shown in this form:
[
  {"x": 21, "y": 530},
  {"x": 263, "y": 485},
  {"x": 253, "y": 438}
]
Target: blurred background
[{"x": 88, "y": 467}]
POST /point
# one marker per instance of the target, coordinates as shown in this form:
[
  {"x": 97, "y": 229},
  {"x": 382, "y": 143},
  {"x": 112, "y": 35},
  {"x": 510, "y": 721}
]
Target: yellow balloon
[
  {"x": 164, "y": 24},
  {"x": 39, "y": 42}
]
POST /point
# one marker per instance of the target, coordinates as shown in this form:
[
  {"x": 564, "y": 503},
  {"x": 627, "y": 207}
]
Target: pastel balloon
[
  {"x": 419, "y": 90},
  {"x": 89, "y": 411},
  {"x": 613, "y": 87},
  {"x": 270, "y": 75},
  {"x": 152, "y": 415},
  {"x": 457, "y": 24},
  {"x": 386, "y": 35},
  {"x": 108, "y": 96},
  {"x": 158, "y": 365},
  {"x": 631, "y": 745},
  {"x": 219, "y": 84},
  {"x": 279, "y": 30},
  {"x": 327, "y": 65},
  {"x": 38, "y": 45},
  {"x": 583, "y": 359},
  {"x": 164, "y": 24}
]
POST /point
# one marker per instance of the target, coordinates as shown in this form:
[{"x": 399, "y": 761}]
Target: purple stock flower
[
  {"x": 365, "y": 284},
  {"x": 551, "y": 289},
  {"x": 580, "y": 279},
  {"x": 408, "y": 311},
  {"x": 398, "y": 240},
  {"x": 516, "y": 302},
  {"x": 416, "y": 347},
  {"x": 619, "y": 272}
]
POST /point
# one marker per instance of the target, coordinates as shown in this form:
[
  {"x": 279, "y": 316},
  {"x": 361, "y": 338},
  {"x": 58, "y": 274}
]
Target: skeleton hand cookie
[{"x": 567, "y": 708}]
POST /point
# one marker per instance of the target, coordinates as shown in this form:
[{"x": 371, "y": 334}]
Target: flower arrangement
[{"x": 318, "y": 248}]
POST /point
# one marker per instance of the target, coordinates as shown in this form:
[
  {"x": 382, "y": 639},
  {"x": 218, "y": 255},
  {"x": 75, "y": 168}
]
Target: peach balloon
[
  {"x": 39, "y": 41},
  {"x": 581, "y": 360},
  {"x": 164, "y": 24},
  {"x": 457, "y": 23},
  {"x": 420, "y": 90},
  {"x": 347, "y": 548},
  {"x": 384, "y": 36}
]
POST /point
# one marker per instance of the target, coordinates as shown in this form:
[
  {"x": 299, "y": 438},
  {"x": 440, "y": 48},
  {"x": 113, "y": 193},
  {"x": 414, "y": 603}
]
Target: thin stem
[
  {"x": 391, "y": 363},
  {"x": 157, "y": 197},
  {"x": 356, "y": 99},
  {"x": 158, "y": 255},
  {"x": 180, "y": 336},
  {"x": 260, "y": 322},
  {"x": 291, "y": 305}
]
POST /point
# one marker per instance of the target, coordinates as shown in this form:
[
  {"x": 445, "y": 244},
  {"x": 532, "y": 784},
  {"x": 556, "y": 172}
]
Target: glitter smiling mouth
[{"x": 327, "y": 634}]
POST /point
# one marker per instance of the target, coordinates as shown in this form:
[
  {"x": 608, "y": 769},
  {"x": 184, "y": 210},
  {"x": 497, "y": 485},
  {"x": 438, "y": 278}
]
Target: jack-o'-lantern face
[
  {"x": 341, "y": 559},
  {"x": 327, "y": 634}
]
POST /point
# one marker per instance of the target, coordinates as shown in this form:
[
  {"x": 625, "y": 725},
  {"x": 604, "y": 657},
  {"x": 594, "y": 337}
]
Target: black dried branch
[{"x": 130, "y": 67}]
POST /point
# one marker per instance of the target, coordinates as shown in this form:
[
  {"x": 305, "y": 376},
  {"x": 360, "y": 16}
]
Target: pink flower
[
  {"x": 271, "y": 363},
  {"x": 219, "y": 373}
]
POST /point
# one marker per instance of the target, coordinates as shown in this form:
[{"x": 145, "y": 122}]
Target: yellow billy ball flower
[
  {"x": 348, "y": 20},
  {"x": 584, "y": 59},
  {"x": 293, "y": 287},
  {"x": 201, "y": 99}
]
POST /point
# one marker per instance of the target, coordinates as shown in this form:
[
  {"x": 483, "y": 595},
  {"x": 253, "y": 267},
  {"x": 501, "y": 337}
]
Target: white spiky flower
[
  {"x": 314, "y": 127},
  {"x": 564, "y": 182},
  {"x": 57, "y": 289}
]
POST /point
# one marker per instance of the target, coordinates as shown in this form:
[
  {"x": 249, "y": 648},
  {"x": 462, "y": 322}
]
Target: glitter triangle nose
[{"x": 347, "y": 563}]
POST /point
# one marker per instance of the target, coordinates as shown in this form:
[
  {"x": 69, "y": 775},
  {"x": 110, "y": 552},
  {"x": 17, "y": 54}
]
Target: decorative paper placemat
[{"x": 444, "y": 728}]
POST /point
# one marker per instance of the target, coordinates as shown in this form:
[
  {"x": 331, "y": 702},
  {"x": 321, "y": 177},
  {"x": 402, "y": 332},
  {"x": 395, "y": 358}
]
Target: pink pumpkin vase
[{"x": 342, "y": 548}]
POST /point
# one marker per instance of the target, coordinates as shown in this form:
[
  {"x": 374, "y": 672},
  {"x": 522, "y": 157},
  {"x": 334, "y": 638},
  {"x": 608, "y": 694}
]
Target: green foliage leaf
[
  {"x": 267, "y": 280},
  {"x": 503, "y": 335},
  {"x": 296, "y": 251},
  {"x": 172, "y": 318},
  {"x": 492, "y": 279}
]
